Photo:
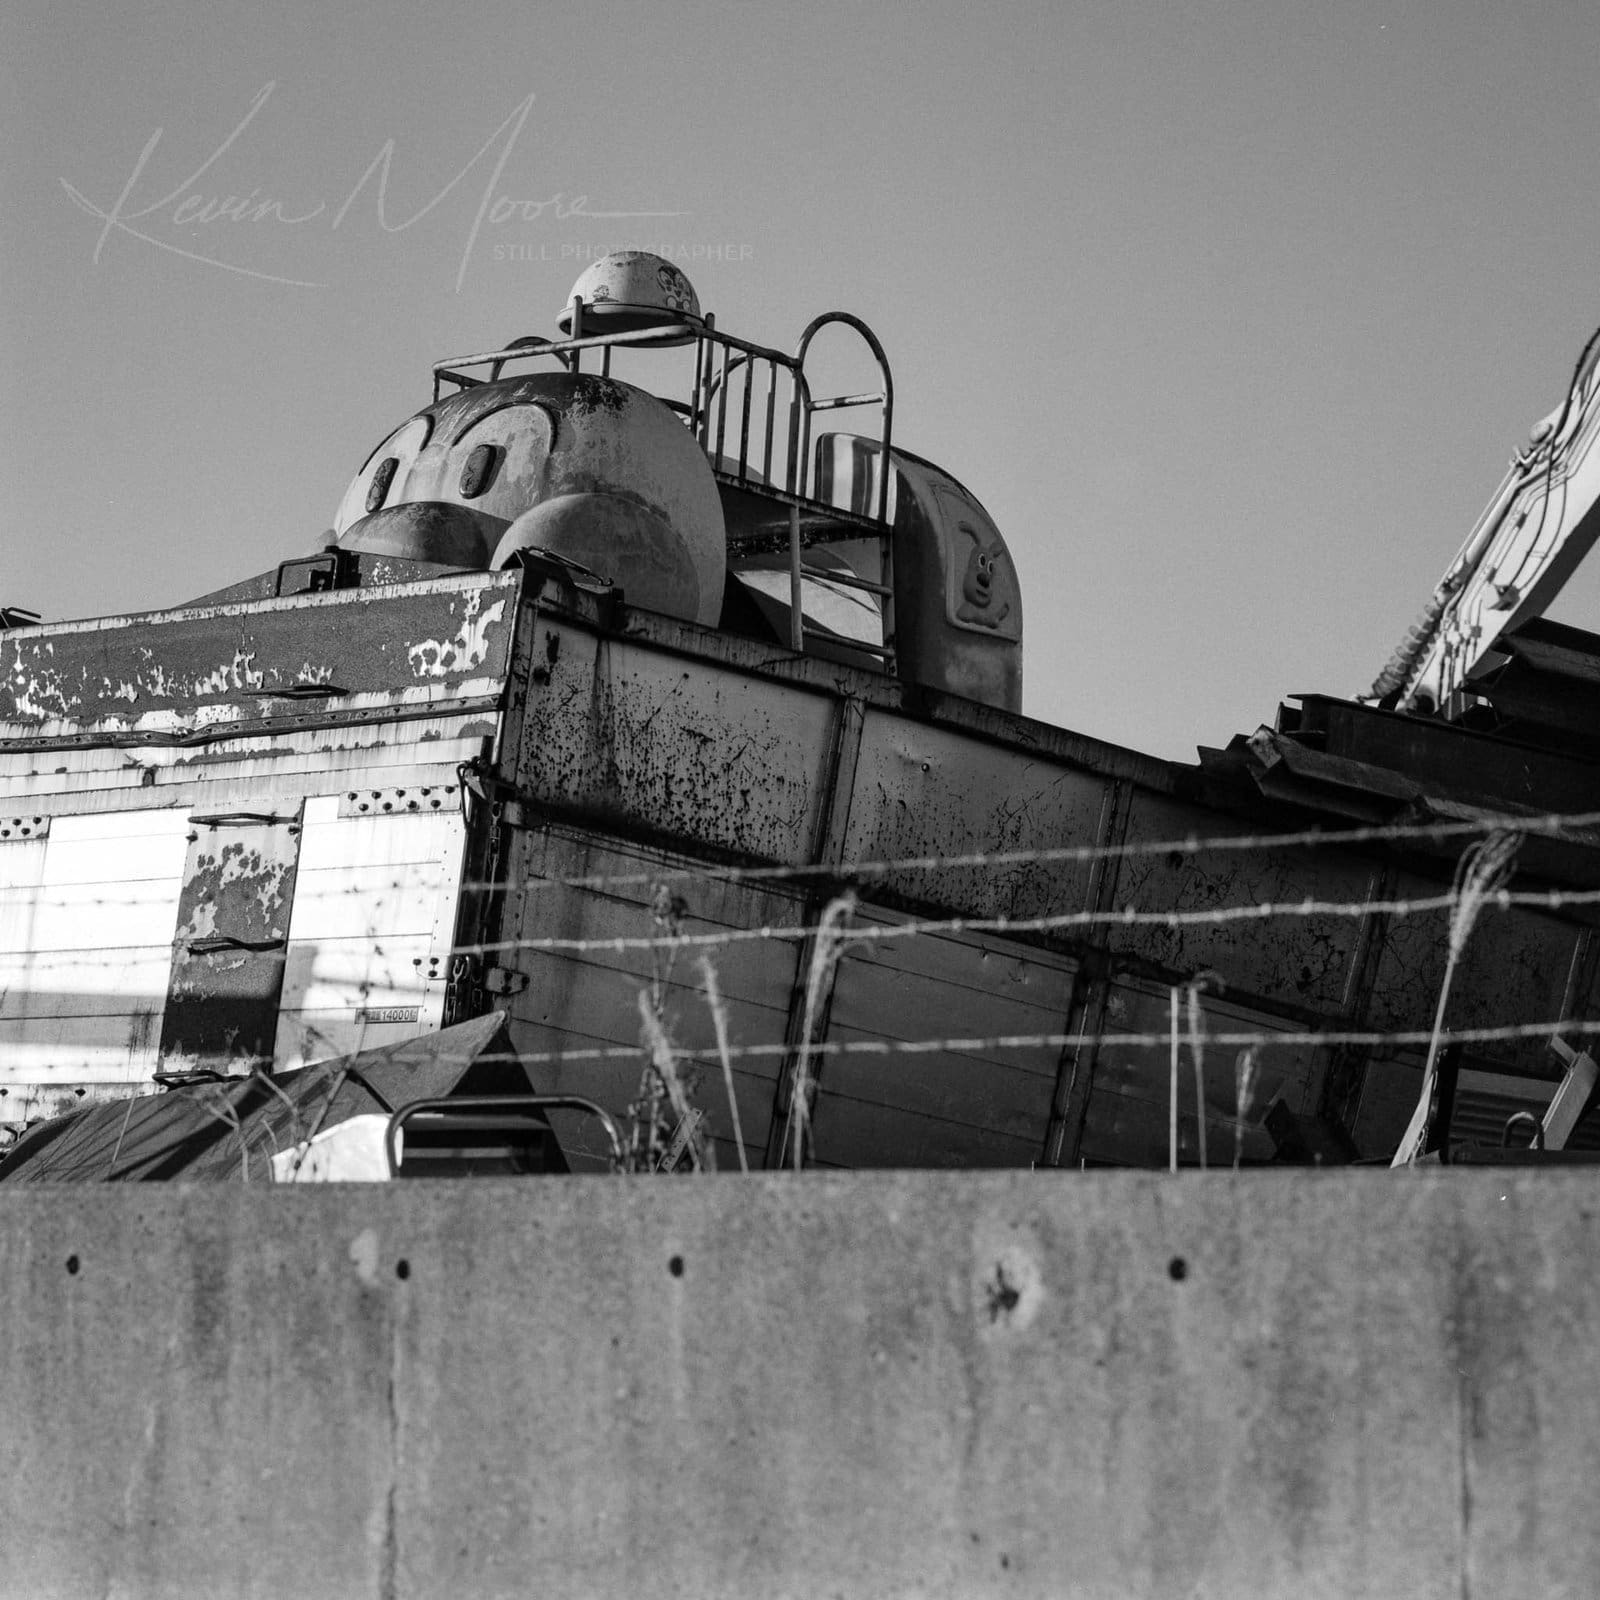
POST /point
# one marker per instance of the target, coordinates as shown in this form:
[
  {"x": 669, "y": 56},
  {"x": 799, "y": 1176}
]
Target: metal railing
[
  {"x": 751, "y": 467},
  {"x": 511, "y": 1104}
]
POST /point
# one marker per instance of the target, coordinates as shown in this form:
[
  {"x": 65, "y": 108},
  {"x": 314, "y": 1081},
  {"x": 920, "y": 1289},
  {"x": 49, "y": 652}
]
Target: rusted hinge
[{"x": 507, "y": 806}]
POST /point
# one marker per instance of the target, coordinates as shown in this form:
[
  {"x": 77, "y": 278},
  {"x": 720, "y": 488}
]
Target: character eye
[
  {"x": 478, "y": 473},
  {"x": 378, "y": 491}
]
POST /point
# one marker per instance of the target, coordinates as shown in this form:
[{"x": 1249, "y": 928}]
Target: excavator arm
[{"x": 1540, "y": 524}]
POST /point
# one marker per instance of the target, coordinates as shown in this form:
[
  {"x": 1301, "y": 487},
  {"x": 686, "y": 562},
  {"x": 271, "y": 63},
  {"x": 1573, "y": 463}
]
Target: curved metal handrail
[{"x": 505, "y": 1102}]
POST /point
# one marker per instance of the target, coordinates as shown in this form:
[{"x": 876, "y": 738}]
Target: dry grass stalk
[
  {"x": 1481, "y": 875},
  {"x": 830, "y": 940},
  {"x": 1244, "y": 1076},
  {"x": 1197, "y": 1054},
  {"x": 1172, "y": 1086},
  {"x": 664, "y": 1060},
  {"x": 719, "y": 1020}
]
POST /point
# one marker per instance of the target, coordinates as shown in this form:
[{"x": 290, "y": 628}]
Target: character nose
[{"x": 427, "y": 530}]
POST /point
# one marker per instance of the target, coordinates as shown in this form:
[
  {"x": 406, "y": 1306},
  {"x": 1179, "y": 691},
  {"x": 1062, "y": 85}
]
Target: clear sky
[{"x": 1232, "y": 314}]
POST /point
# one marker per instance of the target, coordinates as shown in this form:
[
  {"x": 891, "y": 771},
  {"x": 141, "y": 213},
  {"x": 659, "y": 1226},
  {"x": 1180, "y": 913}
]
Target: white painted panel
[
  {"x": 367, "y": 902},
  {"x": 21, "y": 862},
  {"x": 57, "y": 983},
  {"x": 91, "y": 916},
  {"x": 117, "y": 847},
  {"x": 347, "y": 973},
  {"x": 346, "y": 842},
  {"x": 374, "y": 903},
  {"x": 21, "y": 869},
  {"x": 86, "y": 950}
]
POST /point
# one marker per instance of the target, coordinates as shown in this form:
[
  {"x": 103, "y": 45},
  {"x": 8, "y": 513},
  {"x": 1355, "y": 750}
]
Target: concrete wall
[{"x": 1054, "y": 1383}]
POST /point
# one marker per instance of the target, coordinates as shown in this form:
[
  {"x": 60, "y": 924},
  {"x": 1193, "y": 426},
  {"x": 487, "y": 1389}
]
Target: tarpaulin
[{"x": 230, "y": 1129}]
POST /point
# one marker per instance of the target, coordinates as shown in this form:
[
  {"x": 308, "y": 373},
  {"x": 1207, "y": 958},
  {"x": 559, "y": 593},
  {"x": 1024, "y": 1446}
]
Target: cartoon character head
[
  {"x": 980, "y": 604},
  {"x": 572, "y": 464}
]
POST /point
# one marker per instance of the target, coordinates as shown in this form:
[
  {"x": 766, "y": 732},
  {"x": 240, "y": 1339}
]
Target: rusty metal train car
[{"x": 597, "y": 675}]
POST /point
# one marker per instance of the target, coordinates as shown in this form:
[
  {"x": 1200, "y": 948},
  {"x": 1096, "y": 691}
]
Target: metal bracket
[
  {"x": 682, "y": 1135},
  {"x": 303, "y": 691},
  {"x": 266, "y": 819},
  {"x": 20, "y": 828},
  {"x": 464, "y": 989},
  {"x": 504, "y": 980},
  {"x": 327, "y": 569},
  {"x": 226, "y": 941}
]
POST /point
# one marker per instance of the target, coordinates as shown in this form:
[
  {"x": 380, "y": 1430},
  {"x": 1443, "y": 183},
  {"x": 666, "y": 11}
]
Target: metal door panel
[
  {"x": 86, "y": 949},
  {"x": 1299, "y": 960},
  {"x": 227, "y": 953},
  {"x": 577, "y": 1001},
  {"x": 926, "y": 791},
  {"x": 1129, "y": 1105},
  {"x": 921, "y": 988},
  {"x": 631, "y": 734},
  {"x": 370, "y": 935},
  {"x": 860, "y": 1134}
]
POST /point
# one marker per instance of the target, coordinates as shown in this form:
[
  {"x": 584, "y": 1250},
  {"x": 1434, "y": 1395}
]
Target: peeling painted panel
[
  {"x": 85, "y": 950},
  {"x": 929, "y": 988},
  {"x": 684, "y": 749},
  {"x": 393, "y": 749},
  {"x": 1303, "y": 961},
  {"x": 368, "y": 955},
  {"x": 1127, "y": 1119},
  {"x": 923, "y": 791},
  {"x": 228, "y": 952},
  {"x": 448, "y": 639},
  {"x": 583, "y": 1000}
]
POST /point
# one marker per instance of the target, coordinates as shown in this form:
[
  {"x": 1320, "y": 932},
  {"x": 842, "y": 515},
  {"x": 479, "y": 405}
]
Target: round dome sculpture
[
  {"x": 588, "y": 469},
  {"x": 629, "y": 290}
]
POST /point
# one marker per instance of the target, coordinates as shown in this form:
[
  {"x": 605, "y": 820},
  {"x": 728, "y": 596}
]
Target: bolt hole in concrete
[
  {"x": 402, "y": 1269},
  {"x": 72, "y": 1266},
  {"x": 1177, "y": 1269},
  {"x": 675, "y": 1266}
]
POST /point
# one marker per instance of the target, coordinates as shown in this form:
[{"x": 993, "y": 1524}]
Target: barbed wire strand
[
  {"x": 1128, "y": 916},
  {"x": 1549, "y": 824},
  {"x": 1230, "y": 1038}
]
